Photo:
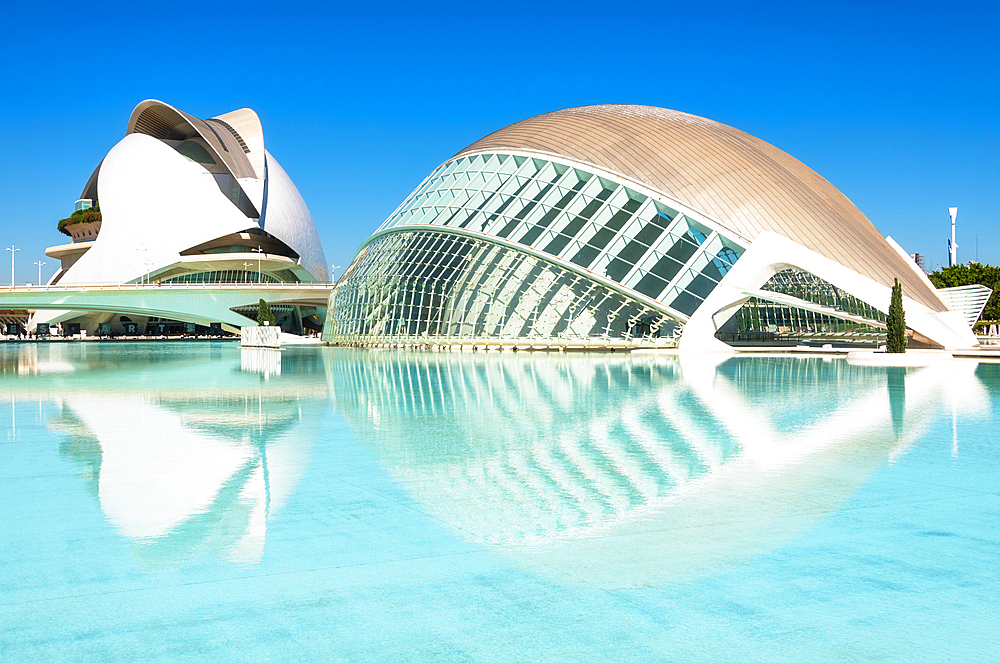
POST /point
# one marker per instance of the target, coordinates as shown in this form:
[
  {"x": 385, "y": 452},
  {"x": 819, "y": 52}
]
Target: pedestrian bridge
[{"x": 201, "y": 303}]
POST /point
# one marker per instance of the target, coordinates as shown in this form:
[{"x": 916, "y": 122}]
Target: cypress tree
[
  {"x": 264, "y": 313},
  {"x": 895, "y": 324}
]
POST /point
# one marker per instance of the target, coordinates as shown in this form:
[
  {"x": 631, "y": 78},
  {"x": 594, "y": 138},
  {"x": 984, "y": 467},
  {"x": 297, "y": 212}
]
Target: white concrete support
[{"x": 771, "y": 253}]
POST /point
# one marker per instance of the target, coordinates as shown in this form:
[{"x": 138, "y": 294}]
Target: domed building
[
  {"x": 624, "y": 226},
  {"x": 181, "y": 200}
]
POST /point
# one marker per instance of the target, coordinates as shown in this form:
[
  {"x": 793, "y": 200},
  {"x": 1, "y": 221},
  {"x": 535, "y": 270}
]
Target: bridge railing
[{"x": 166, "y": 286}]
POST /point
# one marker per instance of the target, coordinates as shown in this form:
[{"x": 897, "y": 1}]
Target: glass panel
[
  {"x": 635, "y": 249},
  {"x": 651, "y": 285},
  {"x": 572, "y": 228},
  {"x": 665, "y": 211},
  {"x": 599, "y": 241},
  {"x": 684, "y": 302},
  {"x": 482, "y": 293},
  {"x": 569, "y": 212},
  {"x": 568, "y": 195},
  {"x": 529, "y": 167},
  {"x": 492, "y": 164}
]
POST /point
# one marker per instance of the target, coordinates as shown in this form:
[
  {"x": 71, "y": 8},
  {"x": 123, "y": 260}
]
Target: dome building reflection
[
  {"x": 628, "y": 471},
  {"x": 611, "y": 470}
]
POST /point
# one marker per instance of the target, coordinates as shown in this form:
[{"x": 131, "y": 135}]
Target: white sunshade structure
[
  {"x": 969, "y": 300},
  {"x": 619, "y": 226}
]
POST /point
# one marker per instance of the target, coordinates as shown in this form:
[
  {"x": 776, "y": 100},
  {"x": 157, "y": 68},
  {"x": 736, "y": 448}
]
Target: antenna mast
[{"x": 952, "y": 246}]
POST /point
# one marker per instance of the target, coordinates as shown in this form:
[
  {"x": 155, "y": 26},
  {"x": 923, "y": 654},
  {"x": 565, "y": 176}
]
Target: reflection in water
[
  {"x": 186, "y": 454},
  {"x": 266, "y": 361},
  {"x": 623, "y": 471},
  {"x": 618, "y": 471},
  {"x": 188, "y": 474},
  {"x": 897, "y": 396},
  {"x": 25, "y": 359}
]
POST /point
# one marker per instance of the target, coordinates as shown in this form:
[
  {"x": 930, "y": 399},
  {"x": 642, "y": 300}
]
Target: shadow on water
[{"x": 624, "y": 471}]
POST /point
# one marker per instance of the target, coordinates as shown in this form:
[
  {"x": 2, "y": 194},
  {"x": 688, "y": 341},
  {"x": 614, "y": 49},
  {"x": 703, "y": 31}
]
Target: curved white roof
[
  {"x": 287, "y": 217},
  {"x": 145, "y": 223},
  {"x": 134, "y": 185}
]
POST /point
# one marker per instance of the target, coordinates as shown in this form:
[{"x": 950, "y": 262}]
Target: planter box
[{"x": 260, "y": 337}]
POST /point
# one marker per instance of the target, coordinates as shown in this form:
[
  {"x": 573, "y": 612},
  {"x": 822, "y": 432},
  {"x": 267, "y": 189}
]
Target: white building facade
[{"x": 185, "y": 200}]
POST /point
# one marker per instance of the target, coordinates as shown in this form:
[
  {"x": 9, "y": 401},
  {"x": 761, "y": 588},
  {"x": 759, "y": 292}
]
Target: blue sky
[{"x": 897, "y": 104}]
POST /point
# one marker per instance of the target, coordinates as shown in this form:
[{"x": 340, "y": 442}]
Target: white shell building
[
  {"x": 185, "y": 200},
  {"x": 610, "y": 226}
]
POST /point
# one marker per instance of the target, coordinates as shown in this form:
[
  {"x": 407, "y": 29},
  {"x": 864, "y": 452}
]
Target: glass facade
[
  {"x": 811, "y": 288},
  {"x": 435, "y": 287},
  {"x": 192, "y": 151},
  {"x": 760, "y": 315},
  {"x": 222, "y": 276},
  {"x": 586, "y": 222},
  {"x": 581, "y": 218}
]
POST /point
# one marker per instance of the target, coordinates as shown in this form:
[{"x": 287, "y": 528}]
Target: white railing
[{"x": 166, "y": 286}]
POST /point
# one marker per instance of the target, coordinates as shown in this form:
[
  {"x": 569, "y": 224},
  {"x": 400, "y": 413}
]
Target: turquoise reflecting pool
[{"x": 196, "y": 501}]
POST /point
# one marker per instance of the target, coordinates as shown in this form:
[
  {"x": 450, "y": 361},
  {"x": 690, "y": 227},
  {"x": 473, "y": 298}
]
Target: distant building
[
  {"x": 609, "y": 226},
  {"x": 188, "y": 201},
  {"x": 919, "y": 259}
]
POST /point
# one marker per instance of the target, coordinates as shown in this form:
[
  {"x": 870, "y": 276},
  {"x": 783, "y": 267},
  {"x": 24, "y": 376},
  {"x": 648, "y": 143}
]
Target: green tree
[
  {"x": 264, "y": 313},
  {"x": 987, "y": 275},
  {"x": 89, "y": 215},
  {"x": 895, "y": 324}
]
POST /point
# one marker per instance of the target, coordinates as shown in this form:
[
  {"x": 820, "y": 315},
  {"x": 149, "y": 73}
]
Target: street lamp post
[
  {"x": 259, "y": 251},
  {"x": 245, "y": 265},
  {"x": 40, "y": 263},
  {"x": 333, "y": 271},
  {"x": 12, "y": 252},
  {"x": 144, "y": 277}
]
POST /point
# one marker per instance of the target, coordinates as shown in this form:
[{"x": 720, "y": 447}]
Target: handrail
[{"x": 167, "y": 286}]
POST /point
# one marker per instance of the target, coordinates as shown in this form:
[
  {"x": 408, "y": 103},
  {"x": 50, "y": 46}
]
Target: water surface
[{"x": 179, "y": 501}]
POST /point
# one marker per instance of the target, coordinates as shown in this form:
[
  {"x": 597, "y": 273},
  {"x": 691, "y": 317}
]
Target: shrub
[
  {"x": 896, "y": 324},
  {"x": 90, "y": 215},
  {"x": 264, "y": 313}
]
